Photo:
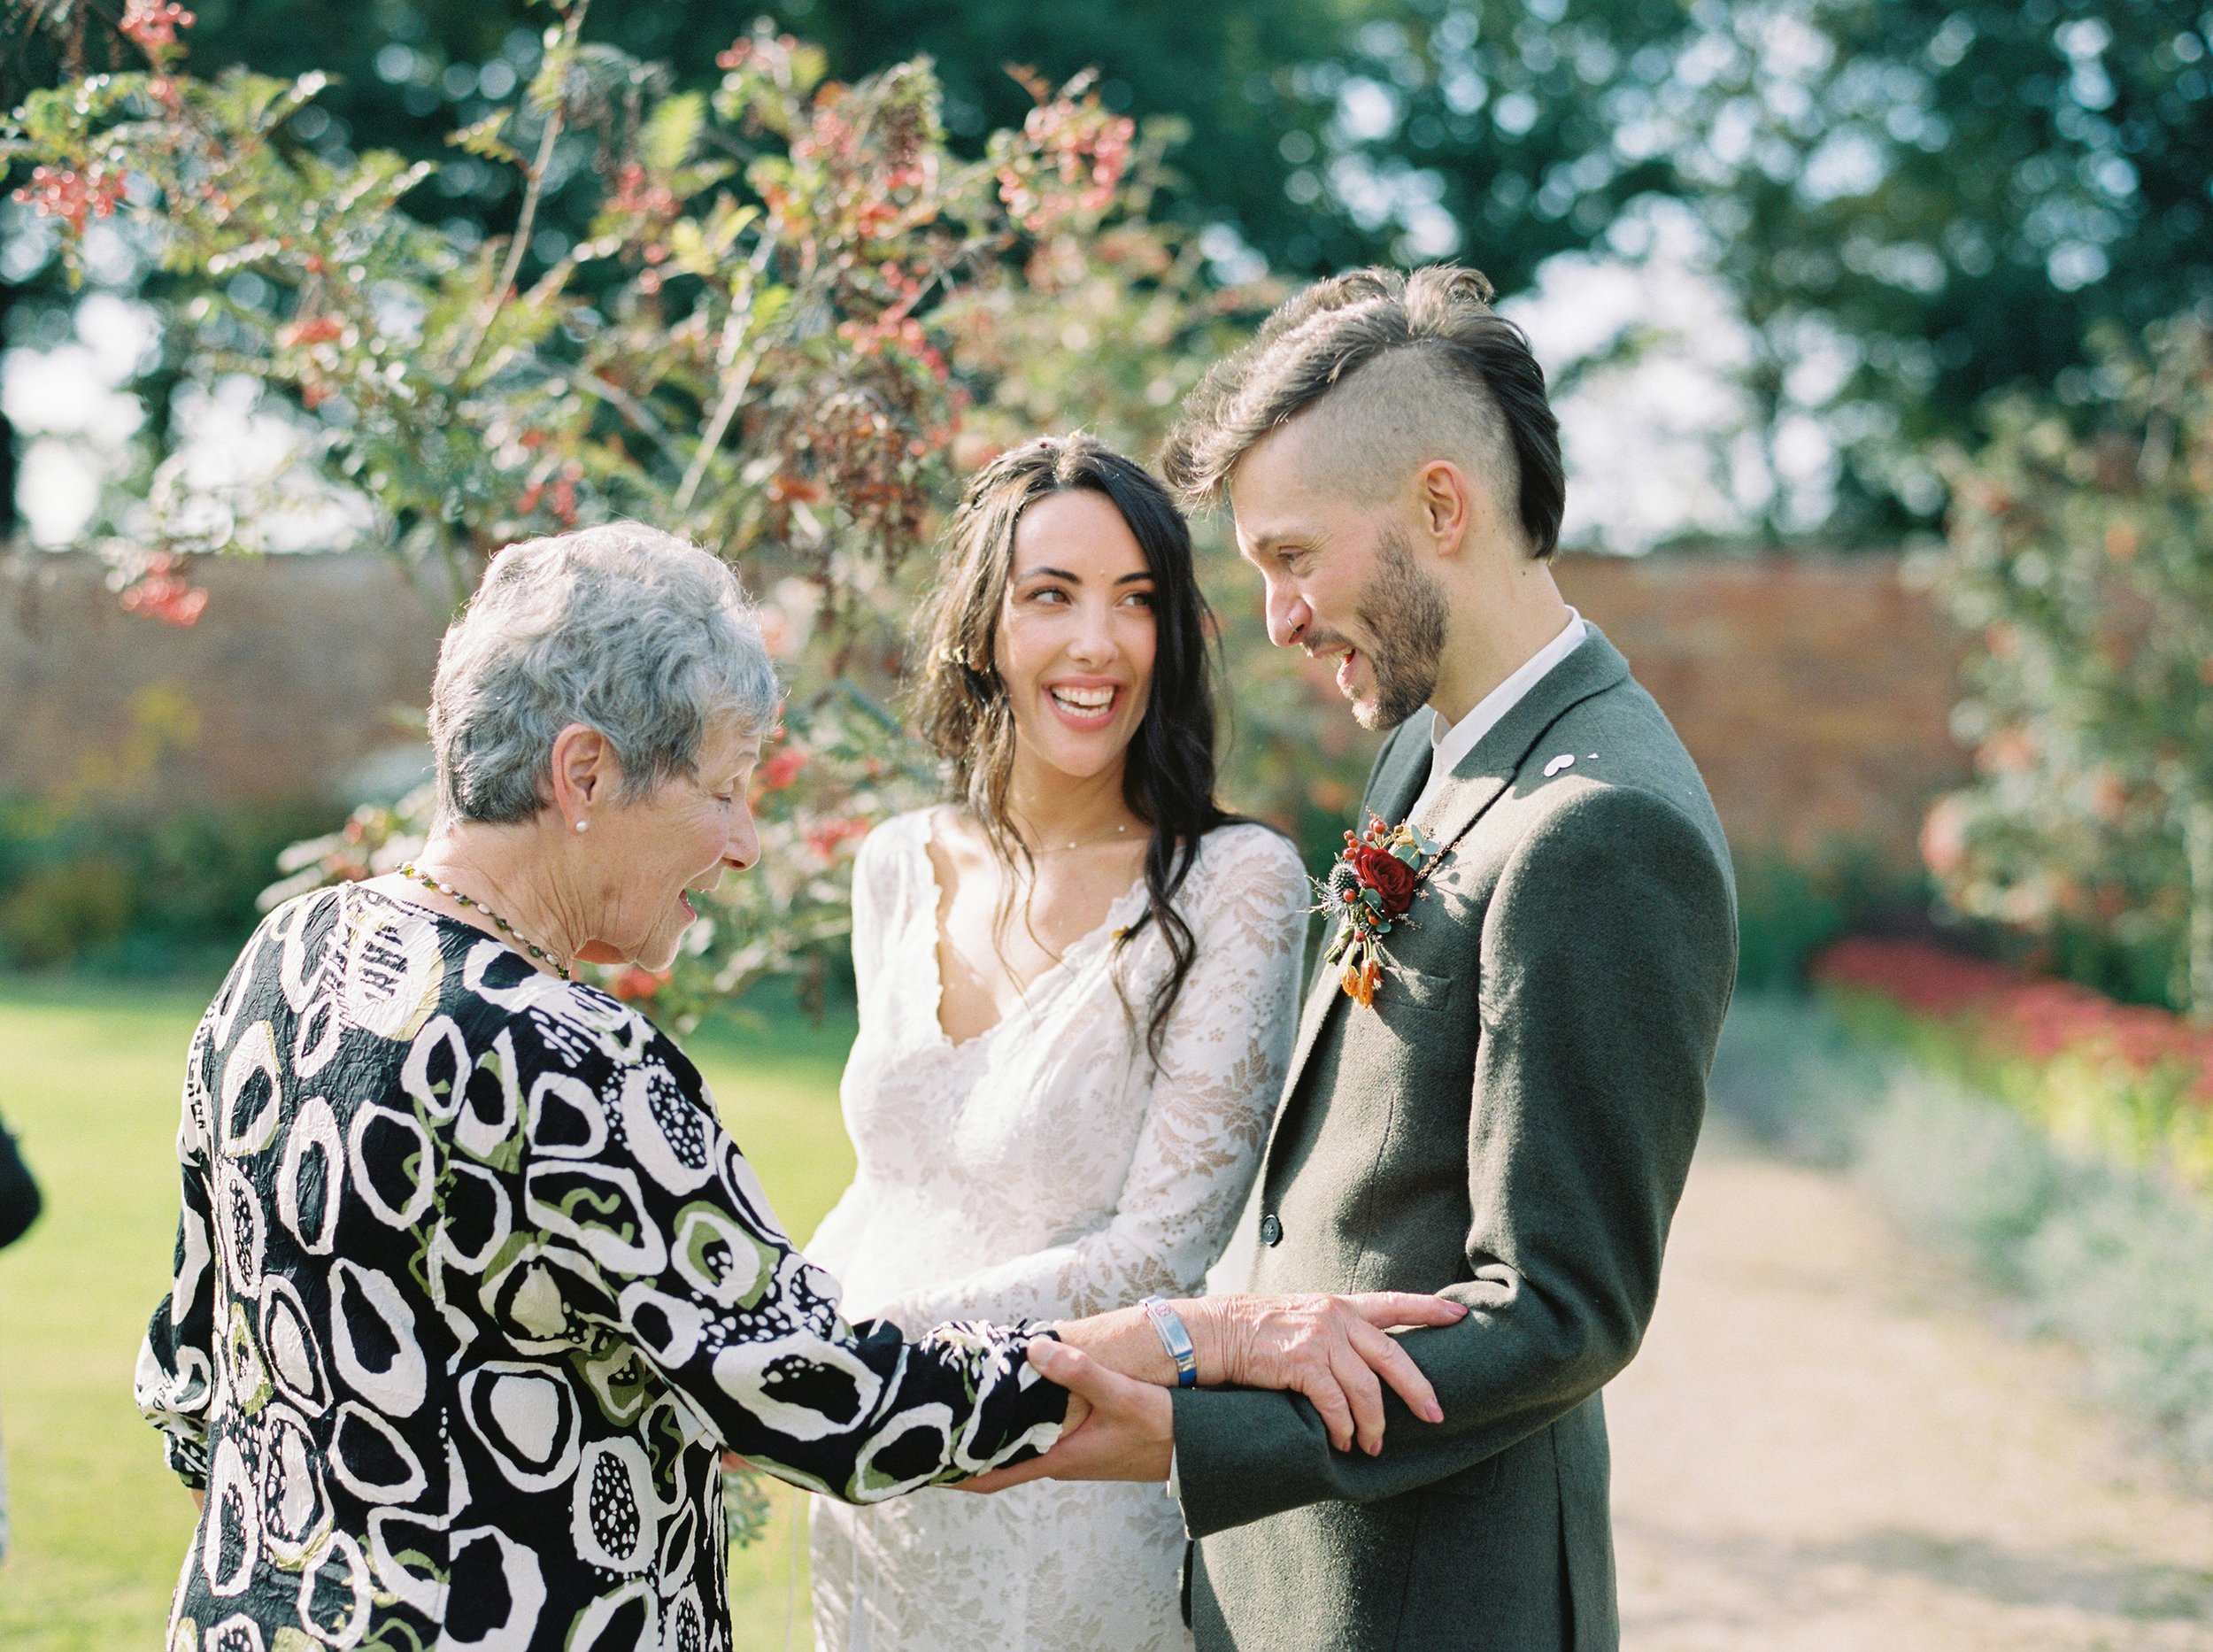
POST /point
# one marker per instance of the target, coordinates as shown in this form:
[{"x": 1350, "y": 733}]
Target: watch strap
[{"x": 1176, "y": 1338}]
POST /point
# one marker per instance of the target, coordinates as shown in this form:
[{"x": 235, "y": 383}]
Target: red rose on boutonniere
[
  {"x": 1393, "y": 880},
  {"x": 1375, "y": 882}
]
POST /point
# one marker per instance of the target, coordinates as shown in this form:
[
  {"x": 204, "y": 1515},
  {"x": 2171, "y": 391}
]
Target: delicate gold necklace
[
  {"x": 1085, "y": 843},
  {"x": 560, "y": 969}
]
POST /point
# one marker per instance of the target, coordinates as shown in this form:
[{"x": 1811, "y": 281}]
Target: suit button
[{"x": 1271, "y": 1230}]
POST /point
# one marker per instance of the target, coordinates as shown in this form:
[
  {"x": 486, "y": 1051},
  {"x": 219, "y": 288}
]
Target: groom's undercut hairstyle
[{"x": 1397, "y": 369}]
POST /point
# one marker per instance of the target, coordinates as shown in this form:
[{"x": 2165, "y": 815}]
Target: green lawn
[{"x": 88, "y": 1080}]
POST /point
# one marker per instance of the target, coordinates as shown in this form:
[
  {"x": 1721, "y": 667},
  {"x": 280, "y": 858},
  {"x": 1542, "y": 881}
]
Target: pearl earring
[{"x": 582, "y": 825}]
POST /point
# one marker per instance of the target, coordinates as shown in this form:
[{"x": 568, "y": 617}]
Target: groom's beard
[{"x": 1403, "y": 613}]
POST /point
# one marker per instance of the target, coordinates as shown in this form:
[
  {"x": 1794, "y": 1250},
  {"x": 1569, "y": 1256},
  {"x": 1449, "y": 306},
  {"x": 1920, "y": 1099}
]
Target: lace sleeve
[
  {"x": 876, "y": 907},
  {"x": 875, "y": 900},
  {"x": 1221, "y": 1065}
]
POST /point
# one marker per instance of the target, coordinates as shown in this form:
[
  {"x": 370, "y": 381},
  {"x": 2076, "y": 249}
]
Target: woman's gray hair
[{"x": 623, "y": 627}]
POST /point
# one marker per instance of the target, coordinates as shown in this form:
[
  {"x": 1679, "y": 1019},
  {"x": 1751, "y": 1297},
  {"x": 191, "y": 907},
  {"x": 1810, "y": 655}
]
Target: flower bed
[{"x": 2126, "y": 1082}]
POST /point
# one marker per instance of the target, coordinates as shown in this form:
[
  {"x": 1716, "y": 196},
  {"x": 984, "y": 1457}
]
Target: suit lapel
[
  {"x": 1482, "y": 776},
  {"x": 1401, "y": 774},
  {"x": 1474, "y": 785}
]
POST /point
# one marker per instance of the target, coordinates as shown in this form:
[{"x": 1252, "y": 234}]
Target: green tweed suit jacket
[{"x": 1510, "y": 1123}]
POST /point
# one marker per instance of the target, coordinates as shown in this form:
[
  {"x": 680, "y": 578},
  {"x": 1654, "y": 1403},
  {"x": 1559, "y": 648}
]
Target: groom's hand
[{"x": 1119, "y": 1429}]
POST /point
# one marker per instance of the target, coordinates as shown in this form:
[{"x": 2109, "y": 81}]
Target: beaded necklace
[{"x": 560, "y": 969}]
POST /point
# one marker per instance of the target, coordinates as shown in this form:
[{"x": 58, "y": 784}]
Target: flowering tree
[
  {"x": 796, "y": 315},
  {"x": 2085, "y": 564},
  {"x": 740, "y": 342}
]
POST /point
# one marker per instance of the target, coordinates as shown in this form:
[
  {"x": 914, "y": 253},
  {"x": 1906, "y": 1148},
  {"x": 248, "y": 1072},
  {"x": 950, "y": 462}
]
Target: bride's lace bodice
[
  {"x": 1043, "y": 1168},
  {"x": 1046, "y": 1168}
]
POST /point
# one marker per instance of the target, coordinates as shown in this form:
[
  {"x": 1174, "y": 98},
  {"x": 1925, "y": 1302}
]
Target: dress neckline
[{"x": 932, "y": 1000}]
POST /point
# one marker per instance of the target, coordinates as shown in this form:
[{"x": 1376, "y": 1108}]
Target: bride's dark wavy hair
[{"x": 961, "y": 707}]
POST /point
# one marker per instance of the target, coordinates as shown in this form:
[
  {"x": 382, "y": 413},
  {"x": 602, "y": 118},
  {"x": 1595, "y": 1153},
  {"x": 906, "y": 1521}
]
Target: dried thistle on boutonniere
[{"x": 1377, "y": 879}]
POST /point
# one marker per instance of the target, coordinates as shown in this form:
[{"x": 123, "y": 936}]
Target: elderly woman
[{"x": 471, "y": 1287}]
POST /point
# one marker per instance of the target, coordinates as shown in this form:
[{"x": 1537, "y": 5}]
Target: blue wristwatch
[{"x": 1174, "y": 1338}]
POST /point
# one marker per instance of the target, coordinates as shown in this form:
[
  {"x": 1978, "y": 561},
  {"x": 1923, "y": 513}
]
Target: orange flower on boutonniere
[{"x": 1372, "y": 886}]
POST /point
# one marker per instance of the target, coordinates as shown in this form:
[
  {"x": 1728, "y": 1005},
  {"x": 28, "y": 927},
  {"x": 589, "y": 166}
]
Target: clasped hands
[{"x": 1336, "y": 1350}]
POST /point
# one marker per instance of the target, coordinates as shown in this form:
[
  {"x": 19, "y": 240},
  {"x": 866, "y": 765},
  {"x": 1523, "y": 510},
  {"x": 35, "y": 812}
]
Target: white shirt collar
[{"x": 1450, "y": 742}]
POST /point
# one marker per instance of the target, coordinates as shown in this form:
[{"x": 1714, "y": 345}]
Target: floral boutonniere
[{"x": 1374, "y": 881}]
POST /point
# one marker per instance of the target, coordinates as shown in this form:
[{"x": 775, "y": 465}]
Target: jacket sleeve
[
  {"x": 1221, "y": 1063},
  {"x": 1608, "y": 951},
  {"x": 175, "y": 1380},
  {"x": 641, "y": 1224}
]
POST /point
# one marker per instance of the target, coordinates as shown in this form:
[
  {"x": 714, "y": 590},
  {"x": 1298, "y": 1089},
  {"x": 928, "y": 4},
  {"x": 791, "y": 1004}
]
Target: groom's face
[{"x": 1342, "y": 577}]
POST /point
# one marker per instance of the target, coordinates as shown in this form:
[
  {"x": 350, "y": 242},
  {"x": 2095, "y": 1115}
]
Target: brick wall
[
  {"x": 283, "y": 691},
  {"x": 1813, "y": 692}
]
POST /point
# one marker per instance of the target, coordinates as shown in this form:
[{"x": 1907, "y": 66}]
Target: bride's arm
[
  {"x": 875, "y": 903},
  {"x": 831, "y": 1247},
  {"x": 1222, "y": 1064}
]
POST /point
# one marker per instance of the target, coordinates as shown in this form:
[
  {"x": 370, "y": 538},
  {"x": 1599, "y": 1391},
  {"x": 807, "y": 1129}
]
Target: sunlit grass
[{"x": 88, "y": 1080}]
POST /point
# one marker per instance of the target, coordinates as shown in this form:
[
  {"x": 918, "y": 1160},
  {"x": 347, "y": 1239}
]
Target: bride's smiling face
[{"x": 1076, "y": 636}]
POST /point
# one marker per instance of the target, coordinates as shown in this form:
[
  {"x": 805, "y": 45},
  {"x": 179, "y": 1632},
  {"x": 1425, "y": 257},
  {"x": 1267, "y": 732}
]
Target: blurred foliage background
[
  {"x": 1912, "y": 206},
  {"x": 1944, "y": 255}
]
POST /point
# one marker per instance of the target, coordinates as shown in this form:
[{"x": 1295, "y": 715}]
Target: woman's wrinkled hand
[{"x": 1336, "y": 1350}]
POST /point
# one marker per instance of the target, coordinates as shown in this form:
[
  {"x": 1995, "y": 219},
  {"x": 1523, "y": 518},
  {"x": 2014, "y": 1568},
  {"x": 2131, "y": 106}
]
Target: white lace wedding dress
[{"x": 1043, "y": 1170}]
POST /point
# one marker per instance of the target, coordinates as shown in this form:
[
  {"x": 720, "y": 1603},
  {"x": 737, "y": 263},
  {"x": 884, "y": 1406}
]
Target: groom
[{"x": 1511, "y": 1119}]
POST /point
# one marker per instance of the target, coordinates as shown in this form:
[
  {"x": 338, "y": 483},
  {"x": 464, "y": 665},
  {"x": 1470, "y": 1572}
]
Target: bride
[{"x": 1077, "y": 991}]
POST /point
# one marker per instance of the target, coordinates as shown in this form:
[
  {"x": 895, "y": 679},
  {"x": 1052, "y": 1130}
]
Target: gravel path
[{"x": 1830, "y": 1443}]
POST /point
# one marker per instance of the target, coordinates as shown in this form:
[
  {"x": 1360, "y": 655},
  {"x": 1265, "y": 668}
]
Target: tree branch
[
  {"x": 733, "y": 391},
  {"x": 555, "y": 123}
]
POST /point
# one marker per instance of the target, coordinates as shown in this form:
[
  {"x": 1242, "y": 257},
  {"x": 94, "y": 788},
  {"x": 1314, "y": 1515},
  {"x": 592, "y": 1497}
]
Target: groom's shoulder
[
  {"x": 1612, "y": 764},
  {"x": 1645, "y": 748}
]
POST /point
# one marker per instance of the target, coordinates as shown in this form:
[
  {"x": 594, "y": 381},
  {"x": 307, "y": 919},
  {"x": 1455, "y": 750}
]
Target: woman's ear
[{"x": 586, "y": 774}]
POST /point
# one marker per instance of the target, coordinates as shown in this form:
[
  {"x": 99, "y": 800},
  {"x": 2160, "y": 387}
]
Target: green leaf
[
  {"x": 544, "y": 91},
  {"x": 664, "y": 141},
  {"x": 379, "y": 180},
  {"x": 259, "y": 103},
  {"x": 238, "y": 257},
  {"x": 700, "y": 177},
  {"x": 769, "y": 304},
  {"x": 809, "y": 64},
  {"x": 303, "y": 91},
  {"x": 483, "y": 139}
]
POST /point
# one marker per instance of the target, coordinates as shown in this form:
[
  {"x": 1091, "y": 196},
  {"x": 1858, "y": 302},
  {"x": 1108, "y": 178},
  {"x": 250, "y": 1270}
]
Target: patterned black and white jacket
[{"x": 472, "y": 1286}]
